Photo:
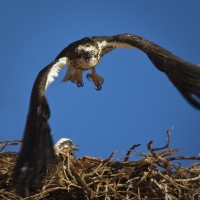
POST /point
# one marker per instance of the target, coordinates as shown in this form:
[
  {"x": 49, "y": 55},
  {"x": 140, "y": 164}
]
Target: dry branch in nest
[{"x": 154, "y": 176}]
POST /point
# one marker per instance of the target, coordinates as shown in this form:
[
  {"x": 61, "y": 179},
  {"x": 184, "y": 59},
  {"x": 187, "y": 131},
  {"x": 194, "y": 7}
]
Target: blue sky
[{"x": 137, "y": 102}]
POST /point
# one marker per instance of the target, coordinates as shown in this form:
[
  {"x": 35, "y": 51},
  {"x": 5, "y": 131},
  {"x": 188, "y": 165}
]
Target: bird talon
[
  {"x": 80, "y": 84},
  {"x": 98, "y": 80},
  {"x": 98, "y": 87},
  {"x": 88, "y": 77}
]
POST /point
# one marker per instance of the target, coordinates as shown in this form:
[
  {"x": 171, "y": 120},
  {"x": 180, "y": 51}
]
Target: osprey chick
[{"x": 64, "y": 143}]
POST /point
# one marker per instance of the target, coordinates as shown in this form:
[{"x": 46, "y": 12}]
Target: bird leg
[
  {"x": 77, "y": 78},
  {"x": 74, "y": 76},
  {"x": 97, "y": 80}
]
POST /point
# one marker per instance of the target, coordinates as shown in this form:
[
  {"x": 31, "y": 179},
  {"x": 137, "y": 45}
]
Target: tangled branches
[{"x": 154, "y": 176}]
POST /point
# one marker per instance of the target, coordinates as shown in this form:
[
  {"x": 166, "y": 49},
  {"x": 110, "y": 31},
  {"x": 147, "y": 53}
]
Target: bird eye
[
  {"x": 92, "y": 52},
  {"x": 82, "y": 51},
  {"x": 68, "y": 142}
]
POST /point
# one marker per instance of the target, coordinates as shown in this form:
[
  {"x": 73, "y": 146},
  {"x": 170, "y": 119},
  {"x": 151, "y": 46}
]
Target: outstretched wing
[
  {"x": 37, "y": 148},
  {"x": 184, "y": 75}
]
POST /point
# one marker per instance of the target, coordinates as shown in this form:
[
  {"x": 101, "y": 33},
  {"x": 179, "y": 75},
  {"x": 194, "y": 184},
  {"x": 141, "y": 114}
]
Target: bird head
[
  {"x": 89, "y": 55},
  {"x": 65, "y": 143},
  {"x": 86, "y": 54}
]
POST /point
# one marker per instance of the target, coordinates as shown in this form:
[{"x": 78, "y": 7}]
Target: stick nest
[{"x": 154, "y": 176}]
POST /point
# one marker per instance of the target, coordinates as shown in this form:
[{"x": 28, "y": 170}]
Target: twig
[{"x": 129, "y": 152}]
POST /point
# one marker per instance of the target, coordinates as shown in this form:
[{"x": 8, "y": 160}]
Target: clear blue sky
[{"x": 137, "y": 102}]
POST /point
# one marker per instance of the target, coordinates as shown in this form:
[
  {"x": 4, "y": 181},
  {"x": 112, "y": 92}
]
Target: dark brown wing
[
  {"x": 184, "y": 75},
  {"x": 37, "y": 148}
]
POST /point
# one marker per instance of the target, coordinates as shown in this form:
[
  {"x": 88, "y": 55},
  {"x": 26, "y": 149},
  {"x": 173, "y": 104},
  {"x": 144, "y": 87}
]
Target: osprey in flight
[
  {"x": 86, "y": 53},
  {"x": 37, "y": 149}
]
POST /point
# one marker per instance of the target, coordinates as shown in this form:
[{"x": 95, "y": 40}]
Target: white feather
[
  {"x": 60, "y": 142},
  {"x": 104, "y": 44},
  {"x": 55, "y": 70}
]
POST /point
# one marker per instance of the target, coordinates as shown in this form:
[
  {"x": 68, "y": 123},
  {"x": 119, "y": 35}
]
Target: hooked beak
[
  {"x": 74, "y": 147},
  {"x": 87, "y": 56}
]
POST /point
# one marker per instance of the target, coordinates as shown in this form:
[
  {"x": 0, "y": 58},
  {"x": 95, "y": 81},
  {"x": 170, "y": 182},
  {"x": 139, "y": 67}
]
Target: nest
[{"x": 154, "y": 176}]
